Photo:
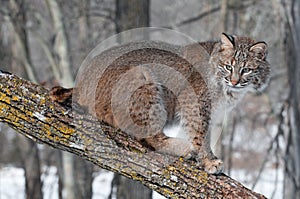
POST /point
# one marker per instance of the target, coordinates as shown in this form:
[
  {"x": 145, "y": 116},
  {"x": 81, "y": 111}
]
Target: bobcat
[{"x": 144, "y": 87}]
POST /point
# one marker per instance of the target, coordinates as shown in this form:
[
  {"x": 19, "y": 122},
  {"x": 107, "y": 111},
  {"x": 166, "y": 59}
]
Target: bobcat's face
[{"x": 241, "y": 64}]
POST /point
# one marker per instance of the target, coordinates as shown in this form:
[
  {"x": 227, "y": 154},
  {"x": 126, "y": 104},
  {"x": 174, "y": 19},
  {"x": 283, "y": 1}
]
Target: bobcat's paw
[{"x": 214, "y": 166}]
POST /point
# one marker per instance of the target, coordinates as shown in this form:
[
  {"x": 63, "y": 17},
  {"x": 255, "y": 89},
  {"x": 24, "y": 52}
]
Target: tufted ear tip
[
  {"x": 227, "y": 41},
  {"x": 260, "y": 49}
]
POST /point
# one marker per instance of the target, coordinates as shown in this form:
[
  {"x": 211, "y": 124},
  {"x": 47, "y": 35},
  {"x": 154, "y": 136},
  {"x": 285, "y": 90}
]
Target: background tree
[
  {"x": 27, "y": 150},
  {"x": 292, "y": 49},
  {"x": 130, "y": 14},
  {"x": 65, "y": 78}
]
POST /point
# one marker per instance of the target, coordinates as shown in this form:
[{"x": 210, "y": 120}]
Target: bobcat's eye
[
  {"x": 228, "y": 67},
  {"x": 246, "y": 71}
]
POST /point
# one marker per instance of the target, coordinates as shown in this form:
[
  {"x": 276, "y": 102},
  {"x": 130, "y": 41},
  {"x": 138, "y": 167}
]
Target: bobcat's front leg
[
  {"x": 203, "y": 153},
  {"x": 195, "y": 120},
  {"x": 208, "y": 160}
]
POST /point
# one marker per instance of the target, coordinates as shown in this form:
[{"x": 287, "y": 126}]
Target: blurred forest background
[{"x": 46, "y": 42}]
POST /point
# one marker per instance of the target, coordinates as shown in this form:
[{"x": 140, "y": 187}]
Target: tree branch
[{"x": 26, "y": 107}]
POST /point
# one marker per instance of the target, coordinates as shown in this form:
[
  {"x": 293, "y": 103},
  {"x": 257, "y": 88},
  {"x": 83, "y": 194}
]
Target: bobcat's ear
[
  {"x": 227, "y": 41},
  {"x": 259, "y": 49}
]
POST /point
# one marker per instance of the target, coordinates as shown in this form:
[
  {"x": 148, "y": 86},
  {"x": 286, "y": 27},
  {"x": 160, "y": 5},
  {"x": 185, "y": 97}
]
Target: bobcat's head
[{"x": 240, "y": 63}]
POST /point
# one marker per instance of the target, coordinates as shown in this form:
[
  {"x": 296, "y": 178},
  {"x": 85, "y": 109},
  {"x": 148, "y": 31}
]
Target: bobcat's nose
[
  {"x": 234, "y": 82},
  {"x": 234, "y": 79}
]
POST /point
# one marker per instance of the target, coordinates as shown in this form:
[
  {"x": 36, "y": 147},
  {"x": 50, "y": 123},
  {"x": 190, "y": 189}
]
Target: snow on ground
[
  {"x": 267, "y": 184},
  {"x": 12, "y": 183},
  {"x": 101, "y": 185},
  {"x": 50, "y": 182}
]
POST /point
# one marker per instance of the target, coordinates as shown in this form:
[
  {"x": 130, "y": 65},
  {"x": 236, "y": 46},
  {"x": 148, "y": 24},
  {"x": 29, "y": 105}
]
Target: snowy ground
[
  {"x": 270, "y": 182},
  {"x": 12, "y": 184}
]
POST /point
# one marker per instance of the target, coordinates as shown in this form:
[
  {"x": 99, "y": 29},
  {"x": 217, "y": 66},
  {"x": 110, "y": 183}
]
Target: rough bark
[{"x": 27, "y": 108}]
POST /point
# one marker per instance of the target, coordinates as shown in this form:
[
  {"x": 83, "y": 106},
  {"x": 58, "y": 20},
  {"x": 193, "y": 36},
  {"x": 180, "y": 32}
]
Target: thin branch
[
  {"x": 212, "y": 10},
  {"x": 275, "y": 140},
  {"x": 196, "y": 18},
  {"x": 94, "y": 13}
]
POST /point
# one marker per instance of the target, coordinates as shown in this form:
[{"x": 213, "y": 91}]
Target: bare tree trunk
[
  {"x": 84, "y": 178},
  {"x": 61, "y": 48},
  {"x": 131, "y": 14},
  {"x": 28, "y": 149},
  {"x": 292, "y": 49},
  {"x": 223, "y": 16},
  {"x": 83, "y": 168},
  {"x": 17, "y": 23},
  {"x": 84, "y": 35},
  {"x": 30, "y": 158},
  {"x": 128, "y": 189}
]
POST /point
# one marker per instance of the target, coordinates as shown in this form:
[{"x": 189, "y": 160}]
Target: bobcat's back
[{"x": 124, "y": 75}]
